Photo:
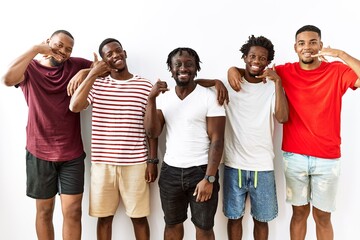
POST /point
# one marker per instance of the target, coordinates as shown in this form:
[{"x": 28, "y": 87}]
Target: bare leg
[
  {"x": 202, "y": 234},
  {"x": 71, "y": 209},
  {"x": 234, "y": 229},
  {"x": 174, "y": 232},
  {"x": 141, "y": 228},
  {"x": 324, "y": 230},
  {"x": 298, "y": 222},
  {"x": 104, "y": 228},
  {"x": 44, "y": 218},
  {"x": 261, "y": 230}
]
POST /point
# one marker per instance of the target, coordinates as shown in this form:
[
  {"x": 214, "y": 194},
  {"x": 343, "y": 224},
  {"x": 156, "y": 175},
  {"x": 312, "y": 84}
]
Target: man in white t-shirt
[
  {"x": 195, "y": 124},
  {"x": 249, "y": 148}
]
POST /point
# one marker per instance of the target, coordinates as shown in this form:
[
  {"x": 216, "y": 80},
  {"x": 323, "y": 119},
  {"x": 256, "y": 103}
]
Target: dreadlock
[{"x": 179, "y": 50}]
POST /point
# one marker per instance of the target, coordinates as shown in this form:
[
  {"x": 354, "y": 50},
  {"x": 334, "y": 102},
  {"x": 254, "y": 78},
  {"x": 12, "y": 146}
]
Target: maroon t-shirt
[{"x": 53, "y": 131}]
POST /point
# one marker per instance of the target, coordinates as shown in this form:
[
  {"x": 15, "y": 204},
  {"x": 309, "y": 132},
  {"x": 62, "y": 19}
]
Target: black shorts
[
  {"x": 177, "y": 186},
  {"x": 45, "y": 178}
]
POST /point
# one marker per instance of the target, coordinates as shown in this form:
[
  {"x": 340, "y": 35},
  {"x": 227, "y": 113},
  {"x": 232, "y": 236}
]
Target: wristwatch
[
  {"x": 210, "y": 179},
  {"x": 154, "y": 161}
]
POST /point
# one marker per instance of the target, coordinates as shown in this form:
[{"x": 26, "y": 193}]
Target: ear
[
  {"x": 48, "y": 40},
  {"x": 295, "y": 47},
  {"x": 125, "y": 54},
  {"x": 321, "y": 44}
]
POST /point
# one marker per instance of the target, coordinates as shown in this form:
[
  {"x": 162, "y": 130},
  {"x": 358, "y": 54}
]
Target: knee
[
  {"x": 73, "y": 212},
  {"x": 105, "y": 221},
  {"x": 46, "y": 214},
  {"x": 321, "y": 218},
  {"x": 235, "y": 222},
  {"x": 301, "y": 213},
  {"x": 139, "y": 221},
  {"x": 260, "y": 225}
]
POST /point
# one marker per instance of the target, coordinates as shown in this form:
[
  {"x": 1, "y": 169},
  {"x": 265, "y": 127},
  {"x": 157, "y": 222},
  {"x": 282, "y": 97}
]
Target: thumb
[
  {"x": 195, "y": 192},
  {"x": 273, "y": 67},
  {"x": 96, "y": 57}
]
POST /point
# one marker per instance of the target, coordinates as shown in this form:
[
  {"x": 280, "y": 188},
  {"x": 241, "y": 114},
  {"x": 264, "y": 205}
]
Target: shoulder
[{"x": 84, "y": 63}]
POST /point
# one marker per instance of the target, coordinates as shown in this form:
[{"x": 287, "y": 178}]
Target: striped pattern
[{"x": 118, "y": 135}]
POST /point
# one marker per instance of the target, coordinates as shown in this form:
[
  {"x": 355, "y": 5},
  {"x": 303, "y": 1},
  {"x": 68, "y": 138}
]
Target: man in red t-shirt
[
  {"x": 311, "y": 137},
  {"x": 54, "y": 149}
]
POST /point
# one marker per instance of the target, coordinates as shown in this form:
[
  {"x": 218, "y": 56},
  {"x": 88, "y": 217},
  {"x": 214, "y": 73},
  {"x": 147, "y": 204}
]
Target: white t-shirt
[
  {"x": 250, "y": 127},
  {"x": 187, "y": 141}
]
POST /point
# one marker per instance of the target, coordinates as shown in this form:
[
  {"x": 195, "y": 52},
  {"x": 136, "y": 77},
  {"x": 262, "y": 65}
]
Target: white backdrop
[{"x": 149, "y": 30}]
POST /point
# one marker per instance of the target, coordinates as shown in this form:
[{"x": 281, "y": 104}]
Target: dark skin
[
  {"x": 183, "y": 71},
  {"x": 55, "y": 51},
  {"x": 309, "y": 48},
  {"x": 114, "y": 63},
  {"x": 256, "y": 62}
]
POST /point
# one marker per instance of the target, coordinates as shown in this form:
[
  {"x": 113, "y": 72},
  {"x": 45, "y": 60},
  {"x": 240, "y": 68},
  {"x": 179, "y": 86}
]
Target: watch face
[{"x": 211, "y": 179}]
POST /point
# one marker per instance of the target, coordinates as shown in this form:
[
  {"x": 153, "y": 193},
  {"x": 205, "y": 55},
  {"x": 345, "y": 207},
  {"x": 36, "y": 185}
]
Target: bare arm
[
  {"x": 281, "y": 104},
  {"x": 235, "y": 75},
  {"x": 78, "y": 100},
  {"x": 222, "y": 93},
  {"x": 154, "y": 119},
  {"x": 75, "y": 81},
  {"x": 15, "y": 73},
  {"x": 352, "y": 62},
  {"x": 151, "y": 168},
  {"x": 215, "y": 129}
]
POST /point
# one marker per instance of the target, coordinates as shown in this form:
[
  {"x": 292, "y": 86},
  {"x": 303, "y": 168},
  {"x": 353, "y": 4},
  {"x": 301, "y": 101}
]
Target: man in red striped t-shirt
[{"x": 120, "y": 154}]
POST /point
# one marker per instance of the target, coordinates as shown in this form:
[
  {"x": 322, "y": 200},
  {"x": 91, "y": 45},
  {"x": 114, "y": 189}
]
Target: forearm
[
  {"x": 206, "y": 82},
  {"x": 214, "y": 157},
  {"x": 15, "y": 73},
  {"x": 79, "y": 101},
  {"x": 352, "y": 62},
  {"x": 152, "y": 147},
  {"x": 281, "y": 104},
  {"x": 152, "y": 124}
]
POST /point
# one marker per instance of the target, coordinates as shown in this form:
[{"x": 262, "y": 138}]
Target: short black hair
[
  {"x": 260, "y": 41},
  {"x": 308, "y": 28},
  {"x": 179, "y": 50},
  {"x": 106, "y": 41},
  {"x": 64, "y": 32}
]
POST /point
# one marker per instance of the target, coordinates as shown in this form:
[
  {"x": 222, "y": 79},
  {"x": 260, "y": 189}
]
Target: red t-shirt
[
  {"x": 315, "y": 98},
  {"x": 53, "y": 131}
]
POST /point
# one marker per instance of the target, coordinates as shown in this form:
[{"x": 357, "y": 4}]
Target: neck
[
  {"x": 310, "y": 66},
  {"x": 251, "y": 78},
  {"x": 184, "y": 91},
  {"x": 121, "y": 74}
]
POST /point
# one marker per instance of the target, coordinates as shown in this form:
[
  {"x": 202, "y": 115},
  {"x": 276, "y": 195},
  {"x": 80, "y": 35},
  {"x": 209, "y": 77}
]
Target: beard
[
  {"x": 54, "y": 62},
  {"x": 307, "y": 62},
  {"x": 181, "y": 84}
]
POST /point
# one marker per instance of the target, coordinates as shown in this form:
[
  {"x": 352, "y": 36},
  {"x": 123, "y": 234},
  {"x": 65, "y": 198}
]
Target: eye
[
  {"x": 252, "y": 56},
  {"x": 263, "y": 59}
]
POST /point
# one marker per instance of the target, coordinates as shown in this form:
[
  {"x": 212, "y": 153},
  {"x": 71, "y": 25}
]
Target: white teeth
[{"x": 255, "y": 67}]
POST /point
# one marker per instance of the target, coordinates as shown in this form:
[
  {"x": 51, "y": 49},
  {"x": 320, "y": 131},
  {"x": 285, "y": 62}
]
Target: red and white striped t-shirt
[{"x": 118, "y": 135}]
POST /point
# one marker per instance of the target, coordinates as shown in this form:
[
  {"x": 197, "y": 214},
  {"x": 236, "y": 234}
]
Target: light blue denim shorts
[
  {"x": 311, "y": 179},
  {"x": 261, "y": 188}
]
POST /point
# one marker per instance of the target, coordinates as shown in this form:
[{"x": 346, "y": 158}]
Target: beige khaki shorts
[{"x": 110, "y": 183}]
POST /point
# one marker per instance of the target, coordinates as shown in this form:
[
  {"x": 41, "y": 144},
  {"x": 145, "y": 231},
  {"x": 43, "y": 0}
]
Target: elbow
[
  {"x": 150, "y": 133},
  {"x": 7, "y": 81},
  {"x": 74, "y": 107},
  {"x": 283, "y": 119}
]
